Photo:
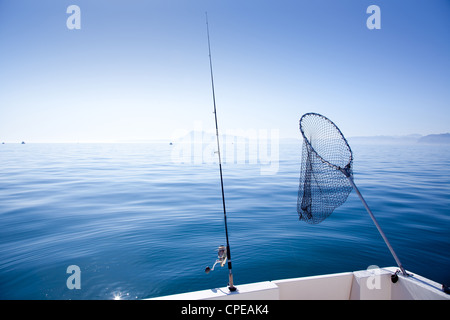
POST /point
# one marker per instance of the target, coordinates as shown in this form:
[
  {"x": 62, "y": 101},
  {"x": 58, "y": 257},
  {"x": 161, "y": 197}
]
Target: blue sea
[{"x": 140, "y": 225}]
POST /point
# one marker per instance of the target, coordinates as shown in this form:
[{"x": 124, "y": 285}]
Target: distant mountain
[
  {"x": 411, "y": 138},
  {"x": 443, "y": 138}
]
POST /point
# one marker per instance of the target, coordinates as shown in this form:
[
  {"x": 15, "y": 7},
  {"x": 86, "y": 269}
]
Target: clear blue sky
[{"x": 139, "y": 70}]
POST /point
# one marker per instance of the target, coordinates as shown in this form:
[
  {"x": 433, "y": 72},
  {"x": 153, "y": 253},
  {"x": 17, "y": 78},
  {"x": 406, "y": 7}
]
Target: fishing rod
[{"x": 223, "y": 253}]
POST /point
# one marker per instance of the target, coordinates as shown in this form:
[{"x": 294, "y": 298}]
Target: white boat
[{"x": 372, "y": 284}]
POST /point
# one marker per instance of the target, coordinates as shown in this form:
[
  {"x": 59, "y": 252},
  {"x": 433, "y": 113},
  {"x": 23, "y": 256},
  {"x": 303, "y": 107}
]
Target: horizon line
[{"x": 137, "y": 141}]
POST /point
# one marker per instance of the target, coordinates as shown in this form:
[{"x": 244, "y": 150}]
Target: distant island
[
  {"x": 443, "y": 138},
  {"x": 412, "y": 138}
]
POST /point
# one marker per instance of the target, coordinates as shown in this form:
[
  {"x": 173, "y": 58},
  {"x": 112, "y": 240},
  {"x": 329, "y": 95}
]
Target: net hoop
[{"x": 334, "y": 126}]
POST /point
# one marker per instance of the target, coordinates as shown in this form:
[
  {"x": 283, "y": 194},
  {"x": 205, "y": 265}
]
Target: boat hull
[{"x": 371, "y": 284}]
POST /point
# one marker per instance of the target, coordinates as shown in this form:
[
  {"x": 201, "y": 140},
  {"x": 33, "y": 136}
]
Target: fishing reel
[{"x": 221, "y": 258}]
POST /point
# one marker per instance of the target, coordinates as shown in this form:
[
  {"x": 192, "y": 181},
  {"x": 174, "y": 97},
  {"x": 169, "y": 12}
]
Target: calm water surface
[{"x": 140, "y": 225}]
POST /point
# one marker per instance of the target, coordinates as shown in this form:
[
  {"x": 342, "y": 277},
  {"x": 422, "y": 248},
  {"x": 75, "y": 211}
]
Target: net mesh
[{"x": 326, "y": 162}]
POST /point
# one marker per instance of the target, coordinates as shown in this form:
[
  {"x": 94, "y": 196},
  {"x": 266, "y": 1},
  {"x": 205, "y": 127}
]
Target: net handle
[
  {"x": 314, "y": 150},
  {"x": 350, "y": 179}
]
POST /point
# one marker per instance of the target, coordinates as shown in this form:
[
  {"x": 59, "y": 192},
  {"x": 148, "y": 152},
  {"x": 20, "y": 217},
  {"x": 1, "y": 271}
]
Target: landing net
[{"x": 326, "y": 155}]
